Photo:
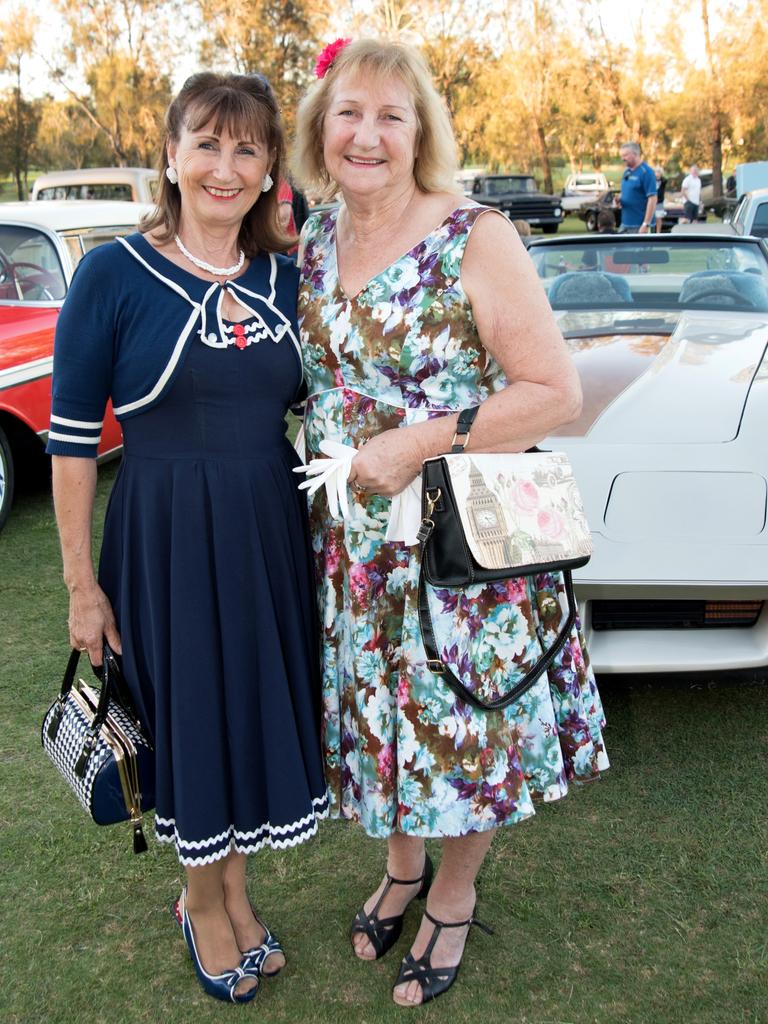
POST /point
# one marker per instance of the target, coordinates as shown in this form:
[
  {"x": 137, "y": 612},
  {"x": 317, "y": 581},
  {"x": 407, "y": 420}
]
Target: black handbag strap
[
  {"x": 69, "y": 673},
  {"x": 437, "y": 665},
  {"x": 463, "y": 427},
  {"x": 109, "y": 676}
]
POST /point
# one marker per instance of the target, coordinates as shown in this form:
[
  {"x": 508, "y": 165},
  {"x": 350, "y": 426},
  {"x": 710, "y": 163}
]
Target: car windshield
[
  {"x": 92, "y": 190},
  {"x": 30, "y": 268},
  {"x": 79, "y": 241},
  {"x": 498, "y": 186},
  {"x": 633, "y": 274}
]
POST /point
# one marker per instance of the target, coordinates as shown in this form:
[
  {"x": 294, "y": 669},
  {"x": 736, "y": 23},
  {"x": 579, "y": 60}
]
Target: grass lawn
[{"x": 641, "y": 898}]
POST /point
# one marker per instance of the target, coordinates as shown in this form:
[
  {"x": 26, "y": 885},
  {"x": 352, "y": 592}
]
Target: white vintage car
[
  {"x": 123, "y": 184},
  {"x": 669, "y": 334}
]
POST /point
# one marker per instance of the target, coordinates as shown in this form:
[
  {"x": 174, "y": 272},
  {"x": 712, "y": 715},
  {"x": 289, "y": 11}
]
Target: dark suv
[{"x": 517, "y": 196}]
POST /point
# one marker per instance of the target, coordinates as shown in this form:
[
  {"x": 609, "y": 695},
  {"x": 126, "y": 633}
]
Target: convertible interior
[
  {"x": 654, "y": 277},
  {"x": 30, "y": 269}
]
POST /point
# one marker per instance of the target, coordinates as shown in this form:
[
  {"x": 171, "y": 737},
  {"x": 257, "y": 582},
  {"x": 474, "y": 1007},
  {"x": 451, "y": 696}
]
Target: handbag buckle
[
  {"x": 432, "y": 499},
  {"x": 436, "y": 666},
  {"x": 425, "y": 530}
]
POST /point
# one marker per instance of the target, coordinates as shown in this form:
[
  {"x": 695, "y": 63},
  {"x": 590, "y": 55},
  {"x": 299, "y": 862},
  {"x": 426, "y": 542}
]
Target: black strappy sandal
[
  {"x": 383, "y": 932},
  {"x": 433, "y": 980}
]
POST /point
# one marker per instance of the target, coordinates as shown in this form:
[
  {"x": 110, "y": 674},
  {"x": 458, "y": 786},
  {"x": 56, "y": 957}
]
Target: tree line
[{"x": 530, "y": 84}]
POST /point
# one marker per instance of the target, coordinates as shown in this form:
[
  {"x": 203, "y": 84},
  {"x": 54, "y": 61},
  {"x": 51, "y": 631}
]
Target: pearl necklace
[{"x": 217, "y": 271}]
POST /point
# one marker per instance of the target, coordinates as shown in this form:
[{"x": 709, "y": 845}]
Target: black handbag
[
  {"x": 492, "y": 517},
  {"x": 96, "y": 742}
]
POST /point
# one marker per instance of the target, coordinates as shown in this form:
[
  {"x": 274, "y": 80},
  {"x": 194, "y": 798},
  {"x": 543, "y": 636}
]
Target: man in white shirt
[{"x": 691, "y": 189}]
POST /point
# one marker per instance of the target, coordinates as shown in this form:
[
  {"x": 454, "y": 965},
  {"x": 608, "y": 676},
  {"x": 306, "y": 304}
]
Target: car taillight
[
  {"x": 732, "y": 613},
  {"x": 673, "y": 614}
]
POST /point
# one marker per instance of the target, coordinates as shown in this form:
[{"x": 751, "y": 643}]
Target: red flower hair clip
[{"x": 328, "y": 56}]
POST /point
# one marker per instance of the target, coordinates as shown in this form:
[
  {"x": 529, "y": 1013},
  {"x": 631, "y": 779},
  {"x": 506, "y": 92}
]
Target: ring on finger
[{"x": 358, "y": 487}]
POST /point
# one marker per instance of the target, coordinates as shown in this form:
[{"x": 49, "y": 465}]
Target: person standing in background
[
  {"x": 638, "y": 191},
  {"x": 691, "y": 189},
  {"x": 300, "y": 208},
  {"x": 661, "y": 187},
  {"x": 285, "y": 208}
]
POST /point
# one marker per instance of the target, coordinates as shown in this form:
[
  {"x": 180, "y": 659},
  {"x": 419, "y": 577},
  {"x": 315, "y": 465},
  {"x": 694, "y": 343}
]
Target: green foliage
[
  {"x": 19, "y": 121},
  {"x": 19, "y": 116},
  {"x": 67, "y": 137},
  {"x": 528, "y": 85},
  {"x": 277, "y": 38},
  {"x": 122, "y": 52}
]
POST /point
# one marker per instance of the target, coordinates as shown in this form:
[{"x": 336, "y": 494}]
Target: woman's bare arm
[
  {"x": 90, "y": 613},
  {"x": 516, "y": 326}
]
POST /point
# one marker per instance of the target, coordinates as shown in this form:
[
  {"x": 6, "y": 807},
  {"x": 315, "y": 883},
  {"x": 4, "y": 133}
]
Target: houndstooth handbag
[
  {"x": 487, "y": 518},
  {"x": 99, "y": 748}
]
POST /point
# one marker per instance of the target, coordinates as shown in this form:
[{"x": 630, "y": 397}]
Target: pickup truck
[
  {"x": 749, "y": 217},
  {"x": 517, "y": 196}
]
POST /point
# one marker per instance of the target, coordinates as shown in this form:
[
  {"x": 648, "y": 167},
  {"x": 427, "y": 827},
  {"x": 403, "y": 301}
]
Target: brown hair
[
  {"x": 436, "y": 165},
  {"x": 245, "y": 106}
]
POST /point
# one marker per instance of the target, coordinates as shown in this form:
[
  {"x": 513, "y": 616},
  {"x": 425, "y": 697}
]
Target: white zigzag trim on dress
[{"x": 238, "y": 841}]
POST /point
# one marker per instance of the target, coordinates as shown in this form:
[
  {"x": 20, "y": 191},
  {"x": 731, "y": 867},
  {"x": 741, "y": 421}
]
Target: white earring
[
  {"x": 172, "y": 175},
  {"x": 267, "y": 183}
]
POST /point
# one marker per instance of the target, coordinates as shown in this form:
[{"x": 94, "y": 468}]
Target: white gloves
[
  {"x": 405, "y": 514},
  {"x": 333, "y": 472}
]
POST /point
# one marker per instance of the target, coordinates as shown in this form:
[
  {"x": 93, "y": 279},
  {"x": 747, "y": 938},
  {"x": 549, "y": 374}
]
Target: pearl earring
[
  {"x": 172, "y": 175},
  {"x": 267, "y": 183}
]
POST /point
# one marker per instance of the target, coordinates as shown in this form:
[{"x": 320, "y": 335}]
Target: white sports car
[{"x": 670, "y": 336}]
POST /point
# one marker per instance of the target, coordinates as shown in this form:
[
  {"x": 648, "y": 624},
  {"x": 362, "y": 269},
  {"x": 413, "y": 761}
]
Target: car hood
[{"x": 663, "y": 377}]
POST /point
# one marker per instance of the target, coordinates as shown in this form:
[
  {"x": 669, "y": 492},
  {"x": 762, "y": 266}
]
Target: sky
[{"x": 623, "y": 24}]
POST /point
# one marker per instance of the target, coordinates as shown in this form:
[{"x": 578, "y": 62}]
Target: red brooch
[
  {"x": 240, "y": 340},
  {"x": 328, "y": 56}
]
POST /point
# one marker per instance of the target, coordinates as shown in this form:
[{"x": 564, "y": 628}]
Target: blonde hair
[
  {"x": 436, "y": 165},
  {"x": 243, "y": 105}
]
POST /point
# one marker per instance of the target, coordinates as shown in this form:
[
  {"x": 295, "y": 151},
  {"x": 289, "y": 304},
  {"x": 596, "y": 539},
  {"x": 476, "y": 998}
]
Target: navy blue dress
[{"x": 206, "y": 560}]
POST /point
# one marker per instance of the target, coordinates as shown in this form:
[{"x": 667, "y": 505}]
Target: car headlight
[{"x": 558, "y": 212}]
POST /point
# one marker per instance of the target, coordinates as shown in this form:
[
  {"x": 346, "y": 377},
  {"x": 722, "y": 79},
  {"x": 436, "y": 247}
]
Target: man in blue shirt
[{"x": 638, "y": 191}]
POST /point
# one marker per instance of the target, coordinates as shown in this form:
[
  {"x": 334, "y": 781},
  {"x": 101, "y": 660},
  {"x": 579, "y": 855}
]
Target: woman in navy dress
[{"x": 204, "y": 580}]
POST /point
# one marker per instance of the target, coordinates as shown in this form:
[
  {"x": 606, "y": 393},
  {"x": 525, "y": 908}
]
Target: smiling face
[
  {"x": 220, "y": 176},
  {"x": 369, "y": 135}
]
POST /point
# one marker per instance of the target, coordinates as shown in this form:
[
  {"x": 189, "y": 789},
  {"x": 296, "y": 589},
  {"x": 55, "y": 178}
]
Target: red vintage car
[{"x": 40, "y": 246}]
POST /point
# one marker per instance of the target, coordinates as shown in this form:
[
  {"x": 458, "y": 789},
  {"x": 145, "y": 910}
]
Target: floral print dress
[{"x": 402, "y": 752}]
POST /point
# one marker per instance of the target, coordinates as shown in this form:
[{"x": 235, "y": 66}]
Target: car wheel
[
  {"x": 591, "y": 221},
  {"x": 550, "y": 229},
  {"x": 6, "y": 478}
]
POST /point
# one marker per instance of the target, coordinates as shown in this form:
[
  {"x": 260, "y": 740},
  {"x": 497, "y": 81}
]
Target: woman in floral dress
[{"x": 415, "y": 305}]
